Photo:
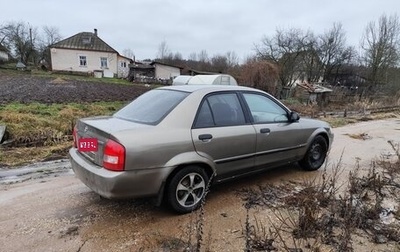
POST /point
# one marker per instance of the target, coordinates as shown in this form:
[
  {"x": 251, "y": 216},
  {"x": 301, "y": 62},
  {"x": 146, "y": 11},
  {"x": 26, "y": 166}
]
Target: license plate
[{"x": 87, "y": 144}]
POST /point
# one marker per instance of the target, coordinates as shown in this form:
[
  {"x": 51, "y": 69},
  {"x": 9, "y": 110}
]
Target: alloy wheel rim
[
  {"x": 190, "y": 190},
  {"x": 316, "y": 155}
]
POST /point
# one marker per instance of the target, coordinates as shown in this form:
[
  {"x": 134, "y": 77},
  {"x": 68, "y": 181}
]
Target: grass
[
  {"x": 27, "y": 155},
  {"x": 46, "y": 127}
]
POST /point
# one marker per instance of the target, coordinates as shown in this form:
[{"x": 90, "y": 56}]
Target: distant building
[
  {"x": 4, "y": 55},
  {"x": 154, "y": 72},
  {"x": 86, "y": 52},
  {"x": 165, "y": 71},
  {"x": 314, "y": 93}
]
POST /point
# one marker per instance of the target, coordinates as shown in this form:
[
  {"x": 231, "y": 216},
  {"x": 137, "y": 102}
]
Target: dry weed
[{"x": 314, "y": 216}]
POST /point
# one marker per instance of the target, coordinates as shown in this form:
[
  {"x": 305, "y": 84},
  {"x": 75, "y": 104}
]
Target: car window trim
[
  {"x": 237, "y": 93},
  {"x": 268, "y": 96}
]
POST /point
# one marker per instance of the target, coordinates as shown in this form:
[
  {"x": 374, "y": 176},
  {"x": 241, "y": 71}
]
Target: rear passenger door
[{"x": 222, "y": 133}]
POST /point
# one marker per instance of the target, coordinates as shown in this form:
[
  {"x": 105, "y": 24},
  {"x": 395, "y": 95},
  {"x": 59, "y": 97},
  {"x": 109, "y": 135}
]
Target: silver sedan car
[{"x": 173, "y": 142}]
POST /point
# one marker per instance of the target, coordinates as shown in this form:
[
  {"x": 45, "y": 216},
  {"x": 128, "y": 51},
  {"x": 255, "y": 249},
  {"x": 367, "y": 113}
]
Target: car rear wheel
[
  {"x": 315, "y": 155},
  {"x": 187, "y": 189}
]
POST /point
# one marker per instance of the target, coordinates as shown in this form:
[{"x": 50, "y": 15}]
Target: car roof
[{"x": 209, "y": 88}]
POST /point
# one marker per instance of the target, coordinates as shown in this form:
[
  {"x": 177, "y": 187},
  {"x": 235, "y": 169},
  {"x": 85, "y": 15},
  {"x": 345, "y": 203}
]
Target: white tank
[{"x": 217, "y": 79}]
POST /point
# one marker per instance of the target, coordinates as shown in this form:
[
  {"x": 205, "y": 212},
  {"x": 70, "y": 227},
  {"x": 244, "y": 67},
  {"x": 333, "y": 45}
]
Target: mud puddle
[{"x": 35, "y": 171}]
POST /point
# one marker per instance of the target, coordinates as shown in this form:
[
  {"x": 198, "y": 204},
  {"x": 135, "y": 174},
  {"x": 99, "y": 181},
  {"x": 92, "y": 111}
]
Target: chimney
[{"x": 95, "y": 32}]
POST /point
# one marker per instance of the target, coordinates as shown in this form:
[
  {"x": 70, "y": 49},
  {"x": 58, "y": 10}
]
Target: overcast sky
[{"x": 187, "y": 26}]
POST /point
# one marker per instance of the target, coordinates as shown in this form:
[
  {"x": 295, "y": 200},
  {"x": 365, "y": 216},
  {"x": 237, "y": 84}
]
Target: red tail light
[
  {"x": 75, "y": 137},
  {"x": 114, "y": 156}
]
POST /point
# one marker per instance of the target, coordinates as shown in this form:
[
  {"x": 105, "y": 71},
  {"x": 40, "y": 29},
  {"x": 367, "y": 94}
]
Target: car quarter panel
[
  {"x": 312, "y": 128},
  {"x": 154, "y": 148},
  {"x": 159, "y": 145},
  {"x": 118, "y": 185}
]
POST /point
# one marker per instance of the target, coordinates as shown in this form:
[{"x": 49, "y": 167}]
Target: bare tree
[
  {"x": 177, "y": 57},
  {"x": 333, "y": 52},
  {"x": 308, "y": 62},
  {"x": 51, "y": 35},
  {"x": 380, "y": 44},
  {"x": 3, "y": 33},
  {"x": 303, "y": 56},
  {"x": 192, "y": 56},
  {"x": 21, "y": 38},
  {"x": 285, "y": 49},
  {"x": 232, "y": 59},
  {"x": 128, "y": 53},
  {"x": 203, "y": 56},
  {"x": 163, "y": 51},
  {"x": 48, "y": 37},
  {"x": 219, "y": 63}
]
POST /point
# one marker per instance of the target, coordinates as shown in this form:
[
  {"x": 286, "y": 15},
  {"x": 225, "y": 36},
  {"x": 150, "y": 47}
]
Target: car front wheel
[
  {"x": 187, "y": 189},
  {"x": 315, "y": 155}
]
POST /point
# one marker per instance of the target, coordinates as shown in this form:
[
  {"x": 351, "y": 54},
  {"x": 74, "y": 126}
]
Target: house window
[
  {"x": 123, "y": 64},
  {"x": 103, "y": 62},
  {"x": 82, "y": 61}
]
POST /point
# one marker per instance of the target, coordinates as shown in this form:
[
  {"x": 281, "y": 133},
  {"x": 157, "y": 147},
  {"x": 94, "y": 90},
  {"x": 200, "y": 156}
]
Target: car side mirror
[{"x": 294, "y": 117}]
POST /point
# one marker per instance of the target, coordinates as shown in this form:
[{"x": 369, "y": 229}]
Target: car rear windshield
[{"x": 152, "y": 106}]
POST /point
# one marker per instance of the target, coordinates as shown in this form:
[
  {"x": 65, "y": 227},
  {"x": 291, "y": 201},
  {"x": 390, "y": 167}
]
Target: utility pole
[{"x": 31, "y": 46}]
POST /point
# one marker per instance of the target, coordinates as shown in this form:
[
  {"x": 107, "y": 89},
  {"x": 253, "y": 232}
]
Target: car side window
[
  {"x": 220, "y": 110},
  {"x": 265, "y": 110},
  {"x": 204, "y": 116}
]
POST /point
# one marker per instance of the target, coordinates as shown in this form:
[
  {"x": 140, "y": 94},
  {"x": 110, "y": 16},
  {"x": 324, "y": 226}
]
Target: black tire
[
  {"x": 187, "y": 189},
  {"x": 315, "y": 155}
]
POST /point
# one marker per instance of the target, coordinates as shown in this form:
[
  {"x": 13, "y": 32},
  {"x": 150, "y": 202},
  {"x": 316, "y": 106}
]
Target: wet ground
[{"x": 45, "y": 208}]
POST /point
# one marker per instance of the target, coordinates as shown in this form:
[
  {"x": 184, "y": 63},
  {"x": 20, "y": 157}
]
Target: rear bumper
[{"x": 118, "y": 185}]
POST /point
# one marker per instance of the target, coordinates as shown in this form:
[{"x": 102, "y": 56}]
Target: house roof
[
  {"x": 141, "y": 66},
  {"x": 88, "y": 41},
  {"x": 124, "y": 57},
  {"x": 196, "y": 72},
  {"x": 314, "y": 88},
  {"x": 160, "y": 63}
]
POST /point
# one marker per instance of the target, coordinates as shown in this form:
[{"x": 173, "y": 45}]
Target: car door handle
[
  {"x": 265, "y": 130},
  {"x": 205, "y": 137}
]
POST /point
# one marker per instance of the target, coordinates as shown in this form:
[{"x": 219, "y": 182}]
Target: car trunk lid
[{"x": 101, "y": 128}]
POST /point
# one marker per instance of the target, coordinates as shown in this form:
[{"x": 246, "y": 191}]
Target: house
[
  {"x": 314, "y": 93},
  {"x": 165, "y": 71},
  {"x": 87, "y": 53},
  {"x": 154, "y": 72},
  {"x": 123, "y": 66},
  {"x": 3, "y": 54}
]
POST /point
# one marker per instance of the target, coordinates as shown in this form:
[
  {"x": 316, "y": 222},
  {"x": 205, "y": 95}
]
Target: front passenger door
[{"x": 278, "y": 139}]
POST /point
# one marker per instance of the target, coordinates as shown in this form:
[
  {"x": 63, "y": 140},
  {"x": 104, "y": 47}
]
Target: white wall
[
  {"x": 68, "y": 60},
  {"x": 123, "y": 71},
  {"x": 166, "y": 72},
  {"x": 3, "y": 56}
]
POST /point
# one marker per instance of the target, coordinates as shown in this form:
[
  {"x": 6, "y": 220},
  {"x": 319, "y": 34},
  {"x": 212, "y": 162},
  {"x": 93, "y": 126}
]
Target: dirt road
[{"x": 54, "y": 211}]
